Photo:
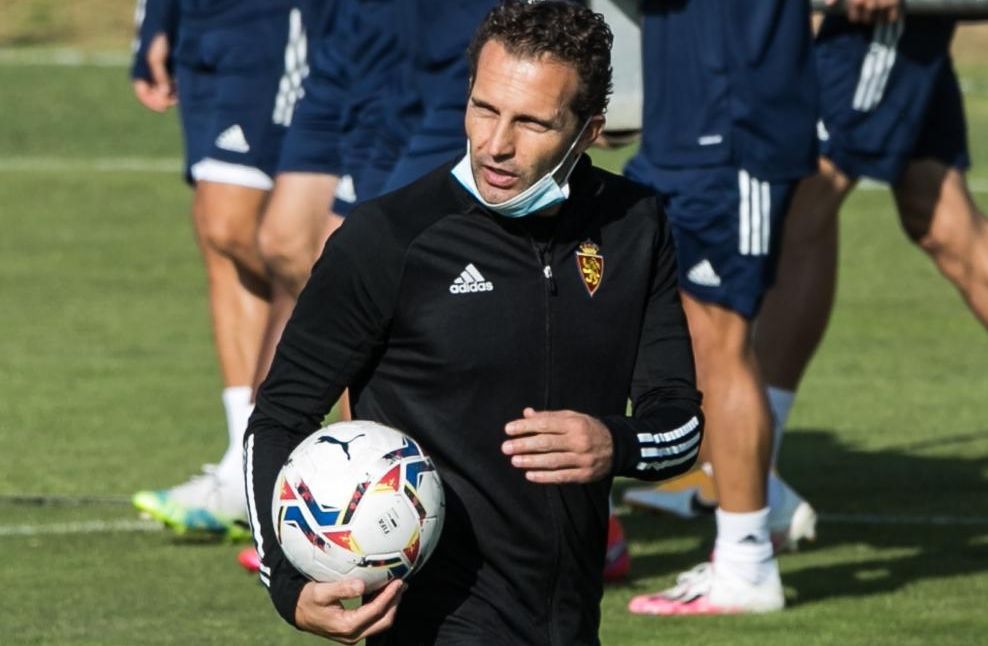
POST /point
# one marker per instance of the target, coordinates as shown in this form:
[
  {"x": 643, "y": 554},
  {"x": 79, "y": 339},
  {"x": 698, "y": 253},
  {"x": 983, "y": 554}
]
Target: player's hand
[
  {"x": 158, "y": 94},
  {"x": 320, "y": 611},
  {"x": 554, "y": 447},
  {"x": 870, "y": 11}
]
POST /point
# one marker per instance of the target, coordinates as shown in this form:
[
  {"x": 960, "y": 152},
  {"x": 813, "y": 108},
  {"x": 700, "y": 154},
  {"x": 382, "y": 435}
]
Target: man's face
[{"x": 518, "y": 120}]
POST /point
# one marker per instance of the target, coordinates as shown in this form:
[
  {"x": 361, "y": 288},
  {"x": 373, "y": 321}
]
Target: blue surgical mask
[{"x": 551, "y": 189}]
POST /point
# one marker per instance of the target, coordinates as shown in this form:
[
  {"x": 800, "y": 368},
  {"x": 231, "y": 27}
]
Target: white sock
[
  {"x": 780, "y": 402},
  {"x": 238, "y": 407},
  {"x": 743, "y": 547}
]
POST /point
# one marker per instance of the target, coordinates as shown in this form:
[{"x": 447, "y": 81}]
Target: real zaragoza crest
[{"x": 591, "y": 265}]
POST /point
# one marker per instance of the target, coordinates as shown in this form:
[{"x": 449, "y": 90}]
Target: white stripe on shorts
[
  {"x": 744, "y": 207},
  {"x": 877, "y": 66},
  {"x": 221, "y": 172},
  {"x": 756, "y": 217},
  {"x": 754, "y": 211},
  {"x": 766, "y": 219}
]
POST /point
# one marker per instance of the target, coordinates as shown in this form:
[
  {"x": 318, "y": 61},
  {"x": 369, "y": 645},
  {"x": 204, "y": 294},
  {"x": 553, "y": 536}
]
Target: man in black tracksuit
[{"x": 453, "y": 319}]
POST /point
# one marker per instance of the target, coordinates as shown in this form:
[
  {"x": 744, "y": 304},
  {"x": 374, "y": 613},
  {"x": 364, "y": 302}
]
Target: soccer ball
[{"x": 358, "y": 500}]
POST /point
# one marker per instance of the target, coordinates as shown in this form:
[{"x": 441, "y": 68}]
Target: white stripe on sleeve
[{"x": 255, "y": 526}]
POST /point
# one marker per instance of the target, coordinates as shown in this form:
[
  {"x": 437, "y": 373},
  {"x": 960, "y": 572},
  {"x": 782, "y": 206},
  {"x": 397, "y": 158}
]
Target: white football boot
[
  {"x": 790, "y": 518},
  {"x": 705, "y": 590},
  {"x": 205, "y": 503}
]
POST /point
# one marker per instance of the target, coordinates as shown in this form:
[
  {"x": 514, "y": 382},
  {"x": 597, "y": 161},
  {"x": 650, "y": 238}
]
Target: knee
[
  {"x": 720, "y": 337},
  {"x": 224, "y": 234},
  {"x": 286, "y": 255},
  {"x": 915, "y": 216},
  {"x": 813, "y": 211}
]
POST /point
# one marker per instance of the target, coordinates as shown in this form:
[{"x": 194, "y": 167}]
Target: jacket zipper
[{"x": 544, "y": 257}]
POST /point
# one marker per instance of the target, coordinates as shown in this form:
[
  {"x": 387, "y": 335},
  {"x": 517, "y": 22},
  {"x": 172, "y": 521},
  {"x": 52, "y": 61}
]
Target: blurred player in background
[
  {"x": 356, "y": 54},
  {"x": 238, "y": 67},
  {"x": 728, "y": 130},
  {"x": 892, "y": 110},
  {"x": 337, "y": 145}
]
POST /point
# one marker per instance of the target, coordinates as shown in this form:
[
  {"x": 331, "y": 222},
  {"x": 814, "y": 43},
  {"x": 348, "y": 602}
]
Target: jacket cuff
[
  {"x": 626, "y": 448},
  {"x": 661, "y": 445},
  {"x": 285, "y": 590}
]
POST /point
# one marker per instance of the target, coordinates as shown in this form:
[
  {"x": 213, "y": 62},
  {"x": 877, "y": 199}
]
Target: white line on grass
[
  {"x": 881, "y": 519},
  {"x": 59, "y": 500},
  {"x": 86, "y": 527},
  {"x": 975, "y": 185},
  {"x": 62, "y": 57},
  {"x": 90, "y": 165}
]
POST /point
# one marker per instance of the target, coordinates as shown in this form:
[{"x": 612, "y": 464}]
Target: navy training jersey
[
  {"x": 152, "y": 17},
  {"x": 442, "y": 32},
  {"x": 729, "y": 83},
  {"x": 227, "y": 12}
]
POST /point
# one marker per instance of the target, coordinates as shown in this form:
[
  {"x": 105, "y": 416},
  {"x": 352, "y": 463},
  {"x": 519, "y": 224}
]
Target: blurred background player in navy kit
[
  {"x": 238, "y": 67},
  {"x": 728, "y": 131},
  {"x": 891, "y": 109},
  {"x": 355, "y": 57}
]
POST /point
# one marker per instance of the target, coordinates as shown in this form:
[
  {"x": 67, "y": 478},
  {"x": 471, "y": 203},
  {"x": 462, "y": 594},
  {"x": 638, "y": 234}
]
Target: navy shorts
[
  {"x": 313, "y": 141},
  {"x": 238, "y": 85},
  {"x": 889, "y": 95},
  {"x": 727, "y": 226}
]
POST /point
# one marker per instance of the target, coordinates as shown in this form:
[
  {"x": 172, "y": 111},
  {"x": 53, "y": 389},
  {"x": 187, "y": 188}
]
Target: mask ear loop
[{"x": 568, "y": 163}]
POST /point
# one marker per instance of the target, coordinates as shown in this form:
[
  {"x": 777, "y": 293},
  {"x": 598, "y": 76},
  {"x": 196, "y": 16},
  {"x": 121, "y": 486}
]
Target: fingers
[
  {"x": 892, "y": 12},
  {"x": 157, "y": 59},
  {"x": 551, "y": 461},
  {"x": 375, "y": 612},
  {"x": 546, "y": 432},
  {"x": 562, "y": 476},
  {"x": 326, "y": 594},
  {"x": 871, "y": 11},
  {"x": 554, "y": 447},
  {"x": 534, "y": 421},
  {"x": 149, "y": 97},
  {"x": 391, "y": 609},
  {"x": 319, "y": 610}
]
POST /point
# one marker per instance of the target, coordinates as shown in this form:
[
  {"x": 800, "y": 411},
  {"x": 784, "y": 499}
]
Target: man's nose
[{"x": 501, "y": 144}]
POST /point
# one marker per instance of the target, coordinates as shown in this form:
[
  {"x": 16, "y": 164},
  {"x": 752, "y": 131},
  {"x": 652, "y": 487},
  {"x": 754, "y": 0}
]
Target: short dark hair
[{"x": 564, "y": 31}]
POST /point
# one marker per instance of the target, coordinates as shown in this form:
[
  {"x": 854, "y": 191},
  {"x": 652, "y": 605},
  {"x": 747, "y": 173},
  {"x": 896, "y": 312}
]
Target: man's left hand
[{"x": 555, "y": 447}]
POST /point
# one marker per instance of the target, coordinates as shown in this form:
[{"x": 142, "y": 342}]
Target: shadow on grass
[{"x": 921, "y": 503}]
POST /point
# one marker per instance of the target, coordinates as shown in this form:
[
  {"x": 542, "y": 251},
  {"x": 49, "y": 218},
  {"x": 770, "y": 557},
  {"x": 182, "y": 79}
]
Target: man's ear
[{"x": 594, "y": 128}]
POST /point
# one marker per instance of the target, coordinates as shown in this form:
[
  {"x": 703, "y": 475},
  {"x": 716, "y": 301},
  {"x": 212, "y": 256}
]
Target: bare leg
[
  {"x": 293, "y": 232},
  {"x": 295, "y": 227},
  {"x": 938, "y": 213},
  {"x": 226, "y": 218},
  {"x": 738, "y": 434},
  {"x": 795, "y": 313}
]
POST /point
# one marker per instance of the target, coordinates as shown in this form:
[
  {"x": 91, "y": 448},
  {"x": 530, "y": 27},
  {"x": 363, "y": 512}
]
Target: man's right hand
[
  {"x": 870, "y": 11},
  {"x": 321, "y": 612},
  {"x": 158, "y": 94}
]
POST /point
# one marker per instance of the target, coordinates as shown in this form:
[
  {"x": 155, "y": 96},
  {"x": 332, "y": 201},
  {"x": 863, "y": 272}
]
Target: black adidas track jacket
[{"x": 446, "y": 320}]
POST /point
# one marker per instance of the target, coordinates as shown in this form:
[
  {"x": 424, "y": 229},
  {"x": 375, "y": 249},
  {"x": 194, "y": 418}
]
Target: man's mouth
[{"x": 497, "y": 177}]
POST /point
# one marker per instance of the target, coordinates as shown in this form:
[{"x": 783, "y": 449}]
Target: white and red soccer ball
[{"x": 358, "y": 500}]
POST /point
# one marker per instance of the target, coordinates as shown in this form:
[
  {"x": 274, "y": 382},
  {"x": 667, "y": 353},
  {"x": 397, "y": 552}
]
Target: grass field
[{"x": 108, "y": 384}]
